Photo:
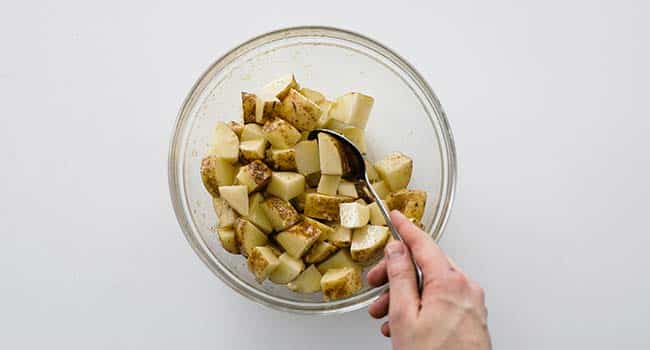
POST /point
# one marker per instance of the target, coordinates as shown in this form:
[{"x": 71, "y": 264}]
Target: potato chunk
[
  {"x": 341, "y": 237},
  {"x": 331, "y": 162},
  {"x": 340, "y": 259},
  {"x": 254, "y": 176},
  {"x": 225, "y": 143},
  {"x": 248, "y": 102},
  {"x": 288, "y": 269},
  {"x": 281, "y": 159},
  {"x": 307, "y": 282},
  {"x": 395, "y": 169},
  {"x": 256, "y": 213},
  {"x": 355, "y": 135},
  {"x": 237, "y": 197},
  {"x": 286, "y": 185},
  {"x": 300, "y": 111},
  {"x": 299, "y": 238},
  {"x": 313, "y": 95},
  {"x": 216, "y": 172},
  {"x": 280, "y": 87},
  {"x": 322, "y": 206},
  {"x": 352, "y": 108},
  {"x": 299, "y": 201},
  {"x": 320, "y": 251},
  {"x": 280, "y": 213},
  {"x": 228, "y": 240},
  {"x": 261, "y": 262},
  {"x": 236, "y": 127},
  {"x": 367, "y": 242},
  {"x": 248, "y": 236},
  {"x": 381, "y": 188},
  {"x": 340, "y": 283},
  {"x": 252, "y": 150},
  {"x": 281, "y": 134},
  {"x": 252, "y": 132},
  {"x": 307, "y": 157},
  {"x": 329, "y": 184},
  {"x": 347, "y": 189},
  {"x": 354, "y": 215},
  {"x": 225, "y": 213},
  {"x": 410, "y": 202},
  {"x": 376, "y": 217}
]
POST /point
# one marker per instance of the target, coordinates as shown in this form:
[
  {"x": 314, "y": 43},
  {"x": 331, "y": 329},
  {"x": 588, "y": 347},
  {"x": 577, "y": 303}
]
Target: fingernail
[{"x": 394, "y": 249}]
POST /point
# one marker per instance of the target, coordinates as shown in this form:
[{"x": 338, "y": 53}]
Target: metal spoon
[{"x": 357, "y": 173}]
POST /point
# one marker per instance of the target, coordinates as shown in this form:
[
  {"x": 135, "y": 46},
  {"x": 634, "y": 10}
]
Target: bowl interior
[{"x": 405, "y": 118}]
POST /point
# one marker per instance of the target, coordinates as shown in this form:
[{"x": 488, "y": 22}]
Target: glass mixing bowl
[{"x": 406, "y": 117}]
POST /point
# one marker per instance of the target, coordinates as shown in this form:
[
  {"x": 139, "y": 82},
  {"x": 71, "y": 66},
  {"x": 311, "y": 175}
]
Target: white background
[{"x": 548, "y": 101}]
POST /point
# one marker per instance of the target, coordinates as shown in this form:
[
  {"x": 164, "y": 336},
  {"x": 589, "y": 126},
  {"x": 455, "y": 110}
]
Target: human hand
[{"x": 450, "y": 314}]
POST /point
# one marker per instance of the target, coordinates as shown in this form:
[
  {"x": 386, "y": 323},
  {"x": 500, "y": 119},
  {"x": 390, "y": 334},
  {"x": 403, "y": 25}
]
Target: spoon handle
[{"x": 395, "y": 233}]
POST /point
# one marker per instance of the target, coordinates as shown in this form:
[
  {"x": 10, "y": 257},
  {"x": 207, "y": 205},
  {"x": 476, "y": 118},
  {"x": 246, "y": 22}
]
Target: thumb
[{"x": 404, "y": 299}]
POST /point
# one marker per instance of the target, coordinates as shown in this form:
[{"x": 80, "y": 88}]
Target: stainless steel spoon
[{"x": 357, "y": 173}]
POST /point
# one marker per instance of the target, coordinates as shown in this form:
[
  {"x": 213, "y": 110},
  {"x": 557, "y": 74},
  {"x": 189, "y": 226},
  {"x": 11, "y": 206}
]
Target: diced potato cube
[
  {"x": 281, "y": 134},
  {"x": 225, "y": 213},
  {"x": 256, "y": 213},
  {"x": 261, "y": 262},
  {"x": 352, "y": 108},
  {"x": 395, "y": 169},
  {"x": 354, "y": 215},
  {"x": 248, "y": 102},
  {"x": 288, "y": 269},
  {"x": 322, "y": 206},
  {"x": 300, "y": 111},
  {"x": 329, "y": 184},
  {"x": 381, "y": 188},
  {"x": 307, "y": 157},
  {"x": 299, "y": 201},
  {"x": 329, "y": 154},
  {"x": 355, "y": 135},
  {"x": 286, "y": 185},
  {"x": 347, "y": 189},
  {"x": 254, "y": 175},
  {"x": 281, "y": 159},
  {"x": 340, "y": 283},
  {"x": 280, "y": 87},
  {"x": 326, "y": 230},
  {"x": 340, "y": 259},
  {"x": 320, "y": 251},
  {"x": 248, "y": 236},
  {"x": 307, "y": 282},
  {"x": 228, "y": 240},
  {"x": 280, "y": 213},
  {"x": 341, "y": 237},
  {"x": 237, "y": 197},
  {"x": 376, "y": 217},
  {"x": 410, "y": 202},
  {"x": 372, "y": 173},
  {"x": 325, "y": 107},
  {"x": 367, "y": 242},
  {"x": 236, "y": 127},
  {"x": 266, "y": 109},
  {"x": 253, "y": 149},
  {"x": 334, "y": 124},
  {"x": 225, "y": 143},
  {"x": 252, "y": 132},
  {"x": 312, "y": 95},
  {"x": 298, "y": 238},
  {"x": 216, "y": 172}
]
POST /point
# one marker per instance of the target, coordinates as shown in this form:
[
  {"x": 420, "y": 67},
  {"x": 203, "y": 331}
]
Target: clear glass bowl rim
[{"x": 181, "y": 207}]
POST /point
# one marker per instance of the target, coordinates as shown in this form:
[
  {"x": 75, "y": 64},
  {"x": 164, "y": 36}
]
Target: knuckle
[{"x": 399, "y": 270}]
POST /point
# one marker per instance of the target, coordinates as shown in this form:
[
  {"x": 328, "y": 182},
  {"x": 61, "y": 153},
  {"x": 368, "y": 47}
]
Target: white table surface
[{"x": 548, "y": 102}]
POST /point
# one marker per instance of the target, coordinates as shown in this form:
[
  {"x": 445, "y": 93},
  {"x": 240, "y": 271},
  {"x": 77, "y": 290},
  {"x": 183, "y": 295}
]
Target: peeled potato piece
[
  {"x": 237, "y": 197},
  {"x": 307, "y": 157},
  {"x": 228, "y": 240},
  {"x": 354, "y": 215},
  {"x": 256, "y": 213},
  {"x": 340, "y": 283},
  {"x": 225, "y": 143},
  {"x": 225, "y": 213},
  {"x": 320, "y": 251},
  {"x": 307, "y": 282},
  {"x": 367, "y": 242},
  {"x": 395, "y": 169},
  {"x": 248, "y": 236},
  {"x": 286, "y": 185},
  {"x": 287, "y": 270},
  {"x": 297, "y": 239},
  {"x": 352, "y": 108},
  {"x": 342, "y": 258},
  {"x": 341, "y": 237},
  {"x": 216, "y": 172}
]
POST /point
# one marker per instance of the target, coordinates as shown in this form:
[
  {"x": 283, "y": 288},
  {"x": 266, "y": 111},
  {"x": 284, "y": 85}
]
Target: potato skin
[
  {"x": 322, "y": 206},
  {"x": 281, "y": 160},
  {"x": 248, "y": 102},
  {"x": 410, "y": 202}
]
